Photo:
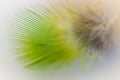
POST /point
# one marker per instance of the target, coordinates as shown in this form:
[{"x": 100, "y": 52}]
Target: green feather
[{"x": 42, "y": 41}]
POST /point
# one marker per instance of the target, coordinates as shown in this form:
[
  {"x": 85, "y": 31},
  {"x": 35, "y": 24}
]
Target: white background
[{"x": 10, "y": 69}]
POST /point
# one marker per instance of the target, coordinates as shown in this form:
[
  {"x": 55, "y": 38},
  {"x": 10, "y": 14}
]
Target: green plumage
[{"x": 41, "y": 41}]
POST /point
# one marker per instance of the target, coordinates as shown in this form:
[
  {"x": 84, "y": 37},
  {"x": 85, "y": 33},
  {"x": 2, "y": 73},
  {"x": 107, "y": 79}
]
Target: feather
[{"x": 57, "y": 35}]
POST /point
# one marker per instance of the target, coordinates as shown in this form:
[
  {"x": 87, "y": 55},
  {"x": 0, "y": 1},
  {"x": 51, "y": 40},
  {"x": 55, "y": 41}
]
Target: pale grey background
[{"x": 10, "y": 69}]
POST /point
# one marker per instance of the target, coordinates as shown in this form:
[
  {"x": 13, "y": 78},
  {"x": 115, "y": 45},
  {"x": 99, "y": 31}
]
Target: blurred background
[{"x": 11, "y": 69}]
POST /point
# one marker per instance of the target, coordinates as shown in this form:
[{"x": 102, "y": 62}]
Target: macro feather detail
[
  {"x": 42, "y": 41},
  {"x": 94, "y": 29},
  {"x": 58, "y": 35}
]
